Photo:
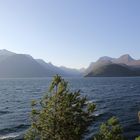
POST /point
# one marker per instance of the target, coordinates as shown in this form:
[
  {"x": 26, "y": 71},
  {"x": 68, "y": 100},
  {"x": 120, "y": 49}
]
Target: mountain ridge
[
  {"x": 125, "y": 64},
  {"x": 13, "y": 65}
]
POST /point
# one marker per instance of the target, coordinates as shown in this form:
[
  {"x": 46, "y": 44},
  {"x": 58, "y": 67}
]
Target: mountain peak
[
  {"x": 5, "y": 52},
  {"x": 105, "y": 58},
  {"x": 126, "y": 58}
]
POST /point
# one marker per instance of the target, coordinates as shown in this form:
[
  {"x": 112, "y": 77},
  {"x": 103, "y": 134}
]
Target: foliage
[
  {"x": 111, "y": 130},
  {"x": 63, "y": 115},
  {"x": 138, "y": 138}
]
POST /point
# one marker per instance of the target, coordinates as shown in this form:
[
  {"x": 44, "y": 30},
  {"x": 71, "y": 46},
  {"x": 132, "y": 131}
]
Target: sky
[{"x": 71, "y": 33}]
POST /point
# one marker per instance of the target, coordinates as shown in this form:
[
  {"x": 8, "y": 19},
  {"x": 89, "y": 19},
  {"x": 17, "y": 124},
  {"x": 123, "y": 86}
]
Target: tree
[
  {"x": 138, "y": 138},
  {"x": 63, "y": 115},
  {"x": 111, "y": 130}
]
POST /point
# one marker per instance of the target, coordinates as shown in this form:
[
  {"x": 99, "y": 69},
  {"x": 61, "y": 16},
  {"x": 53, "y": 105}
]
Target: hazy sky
[{"x": 70, "y": 32}]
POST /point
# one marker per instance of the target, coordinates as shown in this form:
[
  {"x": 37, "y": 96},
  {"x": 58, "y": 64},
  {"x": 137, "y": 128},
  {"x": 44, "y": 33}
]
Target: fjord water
[{"x": 113, "y": 96}]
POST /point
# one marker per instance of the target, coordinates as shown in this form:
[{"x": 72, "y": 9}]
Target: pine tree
[
  {"x": 111, "y": 130},
  {"x": 63, "y": 115},
  {"x": 138, "y": 138}
]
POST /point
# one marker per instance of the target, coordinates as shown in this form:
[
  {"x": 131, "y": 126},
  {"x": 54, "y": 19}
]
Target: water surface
[{"x": 113, "y": 96}]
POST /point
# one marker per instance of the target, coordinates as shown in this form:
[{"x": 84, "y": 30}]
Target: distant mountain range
[
  {"x": 114, "y": 67},
  {"x": 14, "y": 65}
]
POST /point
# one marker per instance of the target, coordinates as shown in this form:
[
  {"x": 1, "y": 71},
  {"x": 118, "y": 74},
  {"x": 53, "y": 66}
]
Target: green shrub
[
  {"x": 64, "y": 115},
  {"x": 111, "y": 130},
  {"x": 138, "y": 138}
]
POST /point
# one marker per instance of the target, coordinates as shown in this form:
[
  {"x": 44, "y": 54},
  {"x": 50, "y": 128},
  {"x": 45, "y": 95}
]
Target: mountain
[
  {"x": 82, "y": 70},
  {"x": 50, "y": 67},
  {"x": 105, "y": 58},
  {"x": 128, "y": 60},
  {"x": 125, "y": 65},
  {"x": 125, "y": 59},
  {"x": 20, "y": 65},
  {"x": 94, "y": 65},
  {"x": 112, "y": 70},
  {"x": 71, "y": 72},
  {"x": 14, "y": 65},
  {"x": 63, "y": 71},
  {"x": 5, "y": 54}
]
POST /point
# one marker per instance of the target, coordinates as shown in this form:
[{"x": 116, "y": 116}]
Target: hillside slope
[{"x": 112, "y": 70}]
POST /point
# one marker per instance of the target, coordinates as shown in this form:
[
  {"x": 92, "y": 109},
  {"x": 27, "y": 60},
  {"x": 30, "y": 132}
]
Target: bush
[
  {"x": 138, "y": 138},
  {"x": 63, "y": 115},
  {"x": 111, "y": 130}
]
